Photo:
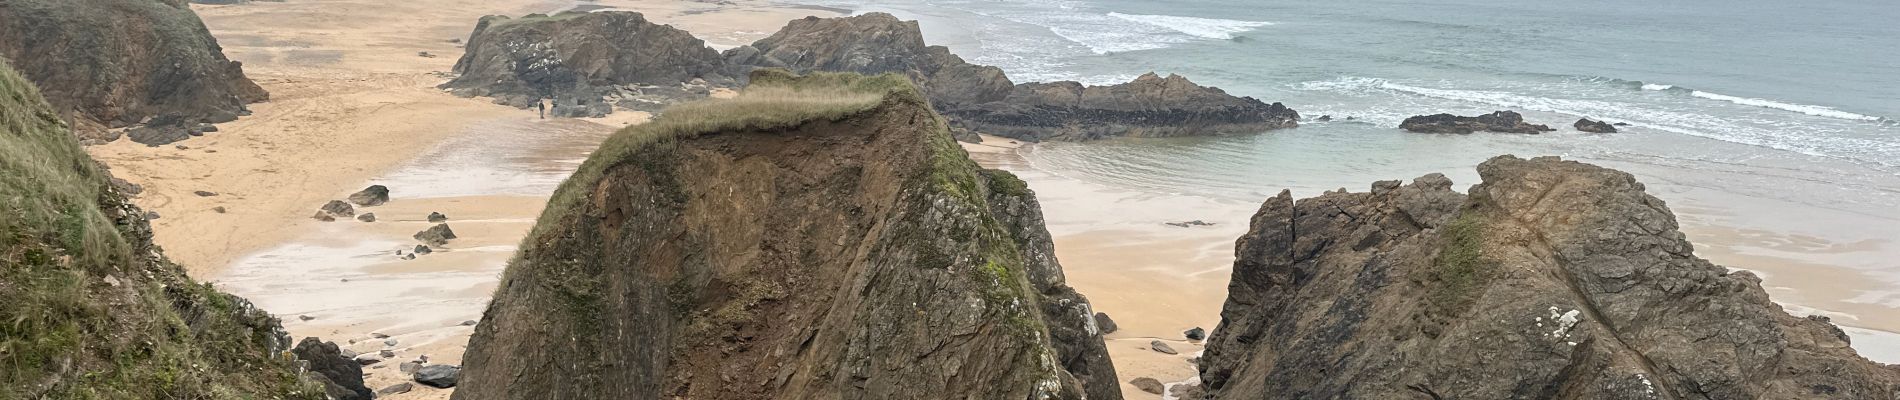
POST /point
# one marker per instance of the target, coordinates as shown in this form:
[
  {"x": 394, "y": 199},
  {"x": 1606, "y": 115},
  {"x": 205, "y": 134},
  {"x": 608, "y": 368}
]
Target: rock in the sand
[
  {"x": 409, "y": 367},
  {"x": 390, "y": 342},
  {"x": 410, "y": 256},
  {"x": 1146, "y": 384},
  {"x": 1592, "y": 126},
  {"x": 326, "y": 363},
  {"x": 1188, "y": 391},
  {"x": 306, "y": 317},
  {"x": 1162, "y": 347},
  {"x": 378, "y": 335},
  {"x": 151, "y": 215},
  {"x": 367, "y": 217},
  {"x": 440, "y": 376},
  {"x": 350, "y": 354},
  {"x": 1105, "y": 324},
  {"x": 202, "y": 193},
  {"x": 218, "y": 209},
  {"x": 399, "y": 388},
  {"x": 374, "y": 195},
  {"x": 387, "y": 354},
  {"x": 436, "y": 217},
  {"x": 1501, "y": 121},
  {"x": 437, "y": 235},
  {"x": 126, "y": 187},
  {"x": 369, "y": 358},
  {"x": 585, "y": 61},
  {"x": 468, "y": 323},
  {"x": 323, "y": 216},
  {"x": 423, "y": 249},
  {"x": 207, "y": 128},
  {"x": 338, "y": 208},
  {"x": 1195, "y": 334}
]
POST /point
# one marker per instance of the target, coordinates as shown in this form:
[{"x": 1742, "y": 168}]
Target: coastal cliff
[
  {"x": 91, "y": 308},
  {"x": 586, "y": 62},
  {"x": 1552, "y": 280},
  {"x": 107, "y": 64},
  {"x": 819, "y": 236},
  {"x": 981, "y": 98}
]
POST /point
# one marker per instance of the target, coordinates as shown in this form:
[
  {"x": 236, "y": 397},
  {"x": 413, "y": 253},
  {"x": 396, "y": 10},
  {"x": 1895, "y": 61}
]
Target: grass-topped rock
[
  {"x": 1552, "y": 280},
  {"x": 89, "y": 308},
  {"x": 118, "y": 63},
  {"x": 818, "y": 236},
  {"x": 586, "y": 63}
]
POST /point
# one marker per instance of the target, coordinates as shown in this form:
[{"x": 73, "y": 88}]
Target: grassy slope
[{"x": 90, "y": 310}]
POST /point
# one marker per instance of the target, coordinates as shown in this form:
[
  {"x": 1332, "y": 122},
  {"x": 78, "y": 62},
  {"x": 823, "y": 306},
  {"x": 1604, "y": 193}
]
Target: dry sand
[{"x": 353, "y": 103}]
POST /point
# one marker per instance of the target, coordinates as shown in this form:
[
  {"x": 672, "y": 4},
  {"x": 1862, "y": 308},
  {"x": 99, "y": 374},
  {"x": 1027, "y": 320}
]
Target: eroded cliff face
[
  {"x": 91, "y": 308},
  {"x": 117, "y": 63},
  {"x": 1552, "y": 280},
  {"x": 981, "y": 98},
  {"x": 817, "y": 237},
  {"x": 586, "y": 63}
]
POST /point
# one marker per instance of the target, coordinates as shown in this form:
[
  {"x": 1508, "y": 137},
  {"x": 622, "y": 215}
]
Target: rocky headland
[
  {"x": 586, "y": 63},
  {"x": 92, "y": 308},
  {"x": 1501, "y": 121},
  {"x": 815, "y": 237},
  {"x": 107, "y": 64},
  {"x": 1551, "y": 280},
  {"x": 982, "y": 99}
]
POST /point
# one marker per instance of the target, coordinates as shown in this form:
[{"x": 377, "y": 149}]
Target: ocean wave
[
  {"x": 1818, "y": 111},
  {"x": 1210, "y": 28}
]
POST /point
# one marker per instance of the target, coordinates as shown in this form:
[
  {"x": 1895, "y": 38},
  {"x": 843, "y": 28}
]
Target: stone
[
  {"x": 390, "y": 342},
  {"x": 323, "y": 216},
  {"x": 327, "y": 364},
  {"x": 438, "y": 235},
  {"x": 1195, "y": 334},
  {"x": 1187, "y": 391},
  {"x": 409, "y": 367},
  {"x": 438, "y": 376},
  {"x": 1324, "y": 118},
  {"x": 468, "y": 323},
  {"x": 218, "y": 209},
  {"x": 410, "y": 256},
  {"x": 1501, "y": 121},
  {"x": 1105, "y": 324},
  {"x": 374, "y": 195},
  {"x": 396, "y": 389},
  {"x": 1587, "y": 125},
  {"x": 305, "y": 317},
  {"x": 1162, "y": 347},
  {"x": 436, "y": 217},
  {"x": 582, "y": 61},
  {"x": 181, "y": 147},
  {"x": 378, "y": 335},
  {"x": 369, "y": 358},
  {"x": 202, "y": 193},
  {"x": 367, "y": 217},
  {"x": 338, "y": 209},
  {"x": 423, "y": 249},
  {"x": 1146, "y": 384},
  {"x": 151, "y": 215},
  {"x": 387, "y": 354}
]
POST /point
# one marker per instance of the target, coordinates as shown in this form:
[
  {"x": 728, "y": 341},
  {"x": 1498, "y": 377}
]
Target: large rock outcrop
[
  {"x": 816, "y": 237},
  {"x": 586, "y": 63},
  {"x": 106, "y": 64},
  {"x": 1149, "y": 106},
  {"x": 89, "y": 307},
  {"x": 1551, "y": 280},
  {"x": 981, "y": 98}
]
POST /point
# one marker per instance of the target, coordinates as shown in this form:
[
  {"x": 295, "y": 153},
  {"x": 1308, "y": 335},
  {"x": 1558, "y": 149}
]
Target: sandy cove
[{"x": 354, "y": 102}]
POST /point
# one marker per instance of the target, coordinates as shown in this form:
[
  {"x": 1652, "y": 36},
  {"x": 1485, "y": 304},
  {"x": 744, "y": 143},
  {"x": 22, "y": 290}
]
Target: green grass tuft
[{"x": 1460, "y": 272}]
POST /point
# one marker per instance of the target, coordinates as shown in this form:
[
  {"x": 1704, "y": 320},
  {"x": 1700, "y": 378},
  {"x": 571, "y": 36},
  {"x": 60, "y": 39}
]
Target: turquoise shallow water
[{"x": 1770, "y": 117}]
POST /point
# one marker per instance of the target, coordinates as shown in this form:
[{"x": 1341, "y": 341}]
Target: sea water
[{"x": 1745, "y": 115}]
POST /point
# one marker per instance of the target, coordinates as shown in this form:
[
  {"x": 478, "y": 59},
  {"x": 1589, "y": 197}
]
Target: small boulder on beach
[
  {"x": 1150, "y": 385},
  {"x": 367, "y": 217},
  {"x": 1592, "y": 126},
  {"x": 438, "y": 376},
  {"x": 374, "y": 195},
  {"x": 436, "y": 217},
  {"x": 1162, "y": 347},
  {"x": 437, "y": 235}
]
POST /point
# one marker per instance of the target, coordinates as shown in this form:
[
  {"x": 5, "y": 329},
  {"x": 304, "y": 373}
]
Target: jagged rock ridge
[
  {"x": 107, "y": 64},
  {"x": 586, "y": 63},
  {"x": 1552, "y": 280},
  {"x": 981, "y": 98},
  {"x": 816, "y": 237},
  {"x": 91, "y": 308}
]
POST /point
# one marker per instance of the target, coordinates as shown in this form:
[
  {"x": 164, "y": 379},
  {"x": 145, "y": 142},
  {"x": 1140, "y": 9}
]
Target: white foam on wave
[
  {"x": 1210, "y": 28},
  {"x": 1818, "y": 111},
  {"x": 1656, "y": 87}
]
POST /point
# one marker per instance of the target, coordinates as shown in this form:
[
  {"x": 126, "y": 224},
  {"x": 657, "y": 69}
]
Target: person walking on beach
[{"x": 543, "y": 107}]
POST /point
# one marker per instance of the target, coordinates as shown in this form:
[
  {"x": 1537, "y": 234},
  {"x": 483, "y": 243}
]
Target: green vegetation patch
[{"x": 1460, "y": 273}]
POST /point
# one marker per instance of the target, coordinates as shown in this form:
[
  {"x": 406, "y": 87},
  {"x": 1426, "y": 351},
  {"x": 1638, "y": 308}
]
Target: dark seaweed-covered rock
[
  {"x": 374, "y": 195},
  {"x": 1552, "y": 280},
  {"x": 342, "y": 378},
  {"x": 437, "y": 235},
  {"x": 1588, "y": 125},
  {"x": 585, "y": 62},
  {"x": 107, "y": 64},
  {"x": 1501, "y": 121}
]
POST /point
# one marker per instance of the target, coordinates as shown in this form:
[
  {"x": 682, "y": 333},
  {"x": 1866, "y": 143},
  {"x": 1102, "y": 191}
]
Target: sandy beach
[{"x": 353, "y": 103}]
